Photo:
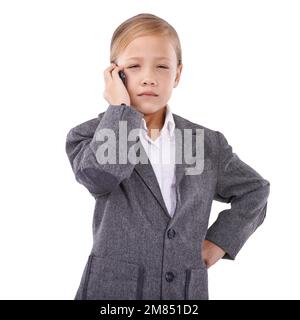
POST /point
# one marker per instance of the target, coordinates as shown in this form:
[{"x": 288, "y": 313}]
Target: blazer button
[
  {"x": 171, "y": 233},
  {"x": 169, "y": 276}
]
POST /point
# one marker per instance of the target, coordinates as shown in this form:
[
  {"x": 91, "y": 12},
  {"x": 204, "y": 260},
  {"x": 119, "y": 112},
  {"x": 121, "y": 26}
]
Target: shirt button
[
  {"x": 169, "y": 276},
  {"x": 171, "y": 233}
]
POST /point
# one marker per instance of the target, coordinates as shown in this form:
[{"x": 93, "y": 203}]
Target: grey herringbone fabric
[{"x": 139, "y": 251}]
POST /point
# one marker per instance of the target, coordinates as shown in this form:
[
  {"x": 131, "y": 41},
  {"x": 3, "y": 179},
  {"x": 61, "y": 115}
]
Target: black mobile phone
[{"x": 123, "y": 77}]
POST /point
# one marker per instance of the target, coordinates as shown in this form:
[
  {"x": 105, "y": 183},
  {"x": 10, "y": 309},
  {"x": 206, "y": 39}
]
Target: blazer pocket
[
  {"x": 196, "y": 287},
  {"x": 111, "y": 279}
]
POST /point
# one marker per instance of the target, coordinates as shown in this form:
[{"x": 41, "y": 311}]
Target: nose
[{"x": 148, "y": 79}]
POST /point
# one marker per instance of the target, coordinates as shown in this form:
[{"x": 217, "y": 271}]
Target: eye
[{"x": 135, "y": 66}]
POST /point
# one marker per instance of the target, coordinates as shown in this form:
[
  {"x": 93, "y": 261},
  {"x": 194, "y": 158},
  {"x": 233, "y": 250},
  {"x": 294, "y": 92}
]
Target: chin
[{"x": 148, "y": 108}]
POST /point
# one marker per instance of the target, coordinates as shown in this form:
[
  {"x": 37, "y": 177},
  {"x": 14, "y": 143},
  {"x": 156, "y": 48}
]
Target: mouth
[{"x": 148, "y": 95}]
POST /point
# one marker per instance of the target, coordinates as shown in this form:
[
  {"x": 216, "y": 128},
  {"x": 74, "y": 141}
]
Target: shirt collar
[{"x": 169, "y": 124}]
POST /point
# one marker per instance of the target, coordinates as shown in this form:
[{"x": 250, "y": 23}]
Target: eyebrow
[{"x": 140, "y": 58}]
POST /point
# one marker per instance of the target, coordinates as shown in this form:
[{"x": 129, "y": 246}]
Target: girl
[{"x": 150, "y": 227}]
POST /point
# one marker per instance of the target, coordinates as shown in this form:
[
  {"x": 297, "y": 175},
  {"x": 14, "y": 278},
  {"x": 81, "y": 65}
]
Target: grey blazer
[{"x": 139, "y": 251}]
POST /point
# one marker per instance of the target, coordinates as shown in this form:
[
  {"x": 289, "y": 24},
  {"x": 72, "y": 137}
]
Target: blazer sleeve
[
  {"x": 247, "y": 192},
  {"x": 83, "y": 145}
]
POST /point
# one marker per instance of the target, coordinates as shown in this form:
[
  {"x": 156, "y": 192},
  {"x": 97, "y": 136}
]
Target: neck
[{"x": 155, "y": 120}]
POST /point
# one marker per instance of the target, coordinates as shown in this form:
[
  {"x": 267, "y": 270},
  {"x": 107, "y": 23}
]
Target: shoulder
[
  {"x": 214, "y": 140},
  {"x": 84, "y": 129},
  {"x": 211, "y": 135}
]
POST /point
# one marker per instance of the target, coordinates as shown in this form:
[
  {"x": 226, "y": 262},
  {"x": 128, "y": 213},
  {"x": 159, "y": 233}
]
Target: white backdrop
[{"x": 240, "y": 76}]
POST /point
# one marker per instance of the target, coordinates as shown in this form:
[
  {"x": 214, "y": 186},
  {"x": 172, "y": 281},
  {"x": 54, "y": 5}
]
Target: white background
[{"x": 241, "y": 76}]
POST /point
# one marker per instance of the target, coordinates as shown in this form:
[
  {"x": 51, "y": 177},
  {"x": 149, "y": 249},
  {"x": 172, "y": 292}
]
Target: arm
[
  {"x": 247, "y": 192},
  {"x": 82, "y": 146}
]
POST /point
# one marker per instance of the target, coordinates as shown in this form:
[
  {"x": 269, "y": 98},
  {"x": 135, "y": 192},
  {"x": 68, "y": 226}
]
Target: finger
[
  {"x": 107, "y": 72},
  {"x": 110, "y": 67},
  {"x": 116, "y": 70}
]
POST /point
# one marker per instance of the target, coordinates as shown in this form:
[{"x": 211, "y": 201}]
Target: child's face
[{"x": 150, "y": 73}]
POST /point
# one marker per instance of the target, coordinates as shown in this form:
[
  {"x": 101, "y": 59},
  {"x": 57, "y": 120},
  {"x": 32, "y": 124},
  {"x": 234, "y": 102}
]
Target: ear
[{"x": 178, "y": 74}]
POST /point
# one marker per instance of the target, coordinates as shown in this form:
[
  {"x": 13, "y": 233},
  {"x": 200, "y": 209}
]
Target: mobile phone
[{"x": 123, "y": 77}]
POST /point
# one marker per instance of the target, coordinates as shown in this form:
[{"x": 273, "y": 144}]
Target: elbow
[{"x": 266, "y": 187}]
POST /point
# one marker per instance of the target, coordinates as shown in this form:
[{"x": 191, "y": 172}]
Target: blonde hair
[{"x": 143, "y": 24}]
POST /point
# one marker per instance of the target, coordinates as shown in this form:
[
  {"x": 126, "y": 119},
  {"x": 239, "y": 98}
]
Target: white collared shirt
[{"x": 161, "y": 153}]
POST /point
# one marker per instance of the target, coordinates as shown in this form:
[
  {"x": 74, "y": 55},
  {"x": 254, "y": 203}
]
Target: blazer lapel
[
  {"x": 182, "y": 165},
  {"x": 147, "y": 174}
]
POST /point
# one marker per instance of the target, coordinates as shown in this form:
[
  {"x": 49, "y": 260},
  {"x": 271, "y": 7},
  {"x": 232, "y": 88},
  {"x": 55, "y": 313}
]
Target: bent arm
[
  {"x": 247, "y": 191},
  {"x": 83, "y": 145}
]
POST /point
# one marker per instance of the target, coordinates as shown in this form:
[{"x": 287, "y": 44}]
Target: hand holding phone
[{"x": 115, "y": 92}]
